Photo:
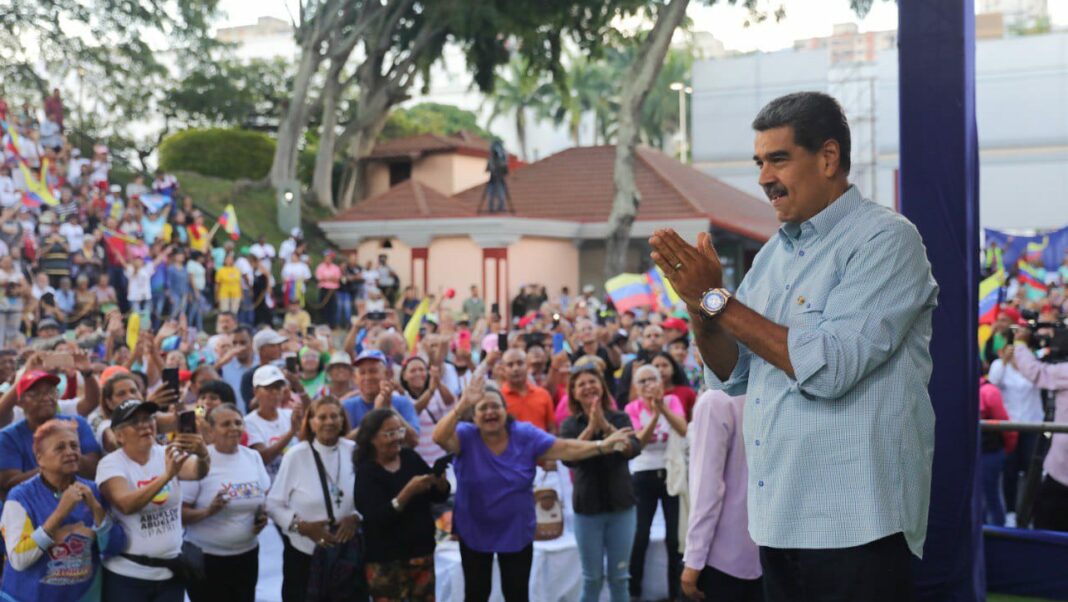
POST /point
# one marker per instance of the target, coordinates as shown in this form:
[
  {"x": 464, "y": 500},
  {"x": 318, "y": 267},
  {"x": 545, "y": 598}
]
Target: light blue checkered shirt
[{"x": 842, "y": 455}]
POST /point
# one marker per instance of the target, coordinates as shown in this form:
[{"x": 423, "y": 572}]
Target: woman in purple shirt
[{"x": 495, "y": 462}]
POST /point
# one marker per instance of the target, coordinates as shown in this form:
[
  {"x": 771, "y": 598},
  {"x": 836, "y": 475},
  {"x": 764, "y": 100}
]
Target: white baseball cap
[
  {"x": 267, "y": 337},
  {"x": 265, "y": 376}
]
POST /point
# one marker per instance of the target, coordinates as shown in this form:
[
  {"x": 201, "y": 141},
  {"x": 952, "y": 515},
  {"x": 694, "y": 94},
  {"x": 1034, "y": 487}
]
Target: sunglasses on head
[{"x": 585, "y": 368}]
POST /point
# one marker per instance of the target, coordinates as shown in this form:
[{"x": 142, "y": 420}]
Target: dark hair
[
  {"x": 678, "y": 376},
  {"x": 108, "y": 390},
  {"x": 404, "y": 382},
  {"x": 573, "y": 404},
  {"x": 306, "y": 433},
  {"x": 815, "y": 117},
  {"x": 370, "y": 425},
  {"x": 220, "y": 388}
]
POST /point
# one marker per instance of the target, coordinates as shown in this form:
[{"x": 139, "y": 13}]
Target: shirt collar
[{"x": 825, "y": 221}]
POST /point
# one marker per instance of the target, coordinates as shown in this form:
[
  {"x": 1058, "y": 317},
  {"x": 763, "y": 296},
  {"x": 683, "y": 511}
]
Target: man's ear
[{"x": 831, "y": 155}]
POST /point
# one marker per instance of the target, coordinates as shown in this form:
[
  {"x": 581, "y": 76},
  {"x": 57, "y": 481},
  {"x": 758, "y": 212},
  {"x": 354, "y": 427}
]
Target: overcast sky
[{"x": 804, "y": 19}]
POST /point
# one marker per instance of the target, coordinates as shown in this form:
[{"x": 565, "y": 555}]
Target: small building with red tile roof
[{"x": 554, "y": 233}]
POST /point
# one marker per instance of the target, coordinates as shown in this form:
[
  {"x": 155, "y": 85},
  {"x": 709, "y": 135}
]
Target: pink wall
[
  {"x": 546, "y": 261},
  {"x": 400, "y": 257},
  {"x": 455, "y": 262}
]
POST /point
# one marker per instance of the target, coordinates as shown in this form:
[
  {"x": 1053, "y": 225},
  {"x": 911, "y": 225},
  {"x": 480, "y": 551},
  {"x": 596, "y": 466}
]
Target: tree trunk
[
  {"x": 640, "y": 77},
  {"x": 322, "y": 190},
  {"x": 361, "y": 145},
  {"x": 521, "y": 132},
  {"x": 284, "y": 166}
]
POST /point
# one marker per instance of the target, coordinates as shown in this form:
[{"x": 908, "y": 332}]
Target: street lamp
[{"x": 683, "y": 90}]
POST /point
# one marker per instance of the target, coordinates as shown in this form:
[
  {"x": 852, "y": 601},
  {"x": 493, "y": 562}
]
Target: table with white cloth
[{"x": 555, "y": 575}]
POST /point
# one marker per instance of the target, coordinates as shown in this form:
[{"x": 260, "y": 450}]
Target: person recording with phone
[
  {"x": 394, "y": 494},
  {"x": 224, "y": 512},
  {"x": 1051, "y": 506},
  {"x": 142, "y": 483}
]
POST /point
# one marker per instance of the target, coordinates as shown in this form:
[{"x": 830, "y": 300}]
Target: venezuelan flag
[
  {"x": 990, "y": 296},
  {"x": 32, "y": 200},
  {"x": 38, "y": 186},
  {"x": 629, "y": 291},
  {"x": 665, "y": 296},
  {"x": 228, "y": 221}
]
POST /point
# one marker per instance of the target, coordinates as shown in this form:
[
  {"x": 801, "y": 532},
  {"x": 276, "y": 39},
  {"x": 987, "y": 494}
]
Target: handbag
[
  {"x": 336, "y": 574},
  {"x": 187, "y": 565},
  {"x": 548, "y": 513}
]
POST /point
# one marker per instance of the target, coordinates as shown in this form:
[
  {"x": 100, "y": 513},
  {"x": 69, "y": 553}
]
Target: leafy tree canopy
[{"x": 431, "y": 118}]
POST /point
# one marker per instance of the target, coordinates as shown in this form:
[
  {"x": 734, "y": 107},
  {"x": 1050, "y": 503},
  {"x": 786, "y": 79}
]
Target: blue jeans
[
  {"x": 599, "y": 535},
  {"x": 344, "y": 309},
  {"x": 130, "y": 589},
  {"x": 994, "y": 505}
]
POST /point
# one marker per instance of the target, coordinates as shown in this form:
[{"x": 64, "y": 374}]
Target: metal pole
[{"x": 1023, "y": 427}]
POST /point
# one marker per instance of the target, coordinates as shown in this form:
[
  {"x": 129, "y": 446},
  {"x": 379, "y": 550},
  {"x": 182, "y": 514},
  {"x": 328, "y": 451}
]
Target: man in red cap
[
  {"x": 38, "y": 398},
  {"x": 674, "y": 328}
]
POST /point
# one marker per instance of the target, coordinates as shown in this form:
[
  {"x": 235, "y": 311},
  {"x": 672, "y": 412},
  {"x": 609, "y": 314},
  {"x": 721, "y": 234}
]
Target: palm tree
[
  {"x": 520, "y": 91},
  {"x": 589, "y": 87}
]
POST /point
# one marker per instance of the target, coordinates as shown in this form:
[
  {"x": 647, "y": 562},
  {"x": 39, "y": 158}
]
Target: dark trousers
[
  {"x": 650, "y": 487},
  {"x": 993, "y": 464},
  {"x": 1019, "y": 461},
  {"x": 718, "y": 586},
  {"x": 131, "y": 589},
  {"x": 878, "y": 571},
  {"x": 478, "y": 573},
  {"x": 295, "y": 569},
  {"x": 1051, "y": 507},
  {"x": 229, "y": 578}
]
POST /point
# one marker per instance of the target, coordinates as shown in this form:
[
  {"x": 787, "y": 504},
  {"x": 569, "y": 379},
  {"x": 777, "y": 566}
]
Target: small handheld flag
[{"x": 228, "y": 221}]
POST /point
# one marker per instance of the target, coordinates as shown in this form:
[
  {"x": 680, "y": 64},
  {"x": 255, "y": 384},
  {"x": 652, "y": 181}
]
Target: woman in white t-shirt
[
  {"x": 656, "y": 417},
  {"x": 271, "y": 428},
  {"x": 224, "y": 512},
  {"x": 296, "y": 502},
  {"x": 141, "y": 482}
]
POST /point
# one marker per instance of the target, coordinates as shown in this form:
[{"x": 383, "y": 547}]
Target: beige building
[{"x": 432, "y": 226}]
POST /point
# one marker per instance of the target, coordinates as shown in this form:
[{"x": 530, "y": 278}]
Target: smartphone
[
  {"x": 187, "y": 422},
  {"x": 310, "y": 332},
  {"x": 293, "y": 364},
  {"x": 170, "y": 379},
  {"x": 556, "y": 320},
  {"x": 558, "y": 342},
  {"x": 56, "y": 361},
  {"x": 441, "y": 464},
  {"x": 495, "y": 309},
  {"x": 502, "y": 341},
  {"x": 377, "y": 316}
]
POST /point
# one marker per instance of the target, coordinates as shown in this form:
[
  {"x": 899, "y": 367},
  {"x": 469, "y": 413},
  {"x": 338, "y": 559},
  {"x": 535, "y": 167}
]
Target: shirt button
[
  {"x": 760, "y": 483},
  {"x": 801, "y": 253},
  {"x": 758, "y": 442},
  {"x": 758, "y": 401},
  {"x": 787, "y": 287}
]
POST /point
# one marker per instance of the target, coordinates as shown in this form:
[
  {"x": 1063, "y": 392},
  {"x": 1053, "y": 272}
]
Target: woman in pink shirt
[
  {"x": 656, "y": 417},
  {"x": 328, "y": 275}
]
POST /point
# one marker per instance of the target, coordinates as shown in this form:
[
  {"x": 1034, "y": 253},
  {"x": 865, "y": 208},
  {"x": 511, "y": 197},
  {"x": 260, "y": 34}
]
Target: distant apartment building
[
  {"x": 1021, "y": 92},
  {"x": 267, "y": 38},
  {"x": 847, "y": 44}
]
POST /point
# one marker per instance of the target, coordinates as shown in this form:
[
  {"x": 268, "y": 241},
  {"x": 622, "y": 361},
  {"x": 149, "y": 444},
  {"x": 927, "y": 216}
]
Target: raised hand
[{"x": 691, "y": 270}]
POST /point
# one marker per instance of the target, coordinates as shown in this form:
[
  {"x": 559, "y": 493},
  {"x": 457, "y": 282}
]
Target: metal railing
[{"x": 1026, "y": 502}]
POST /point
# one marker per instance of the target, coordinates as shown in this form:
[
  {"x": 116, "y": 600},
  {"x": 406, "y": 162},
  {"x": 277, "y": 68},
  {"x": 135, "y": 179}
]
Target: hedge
[{"x": 224, "y": 153}]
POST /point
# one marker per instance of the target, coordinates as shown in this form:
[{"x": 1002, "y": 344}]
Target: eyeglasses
[
  {"x": 397, "y": 433},
  {"x": 50, "y": 395},
  {"x": 590, "y": 367}
]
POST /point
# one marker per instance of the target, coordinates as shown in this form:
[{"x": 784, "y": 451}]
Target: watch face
[{"x": 713, "y": 301}]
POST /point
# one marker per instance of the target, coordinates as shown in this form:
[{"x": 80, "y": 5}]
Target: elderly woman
[
  {"x": 296, "y": 502},
  {"x": 394, "y": 494},
  {"x": 224, "y": 512},
  {"x": 495, "y": 464},
  {"x": 55, "y": 526},
  {"x": 142, "y": 481},
  {"x": 656, "y": 416},
  {"x": 603, "y": 497},
  {"x": 118, "y": 389}
]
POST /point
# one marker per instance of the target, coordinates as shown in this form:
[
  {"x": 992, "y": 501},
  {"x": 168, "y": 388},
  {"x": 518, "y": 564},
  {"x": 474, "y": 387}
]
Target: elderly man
[
  {"x": 828, "y": 337},
  {"x": 267, "y": 347},
  {"x": 38, "y": 398},
  {"x": 375, "y": 389}
]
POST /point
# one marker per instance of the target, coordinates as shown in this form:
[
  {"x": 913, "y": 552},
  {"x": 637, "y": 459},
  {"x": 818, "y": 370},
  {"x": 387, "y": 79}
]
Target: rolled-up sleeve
[
  {"x": 885, "y": 286},
  {"x": 738, "y": 381}
]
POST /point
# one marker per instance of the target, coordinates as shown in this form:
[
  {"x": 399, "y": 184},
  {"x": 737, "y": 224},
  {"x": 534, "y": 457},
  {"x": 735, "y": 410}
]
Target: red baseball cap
[
  {"x": 675, "y": 324},
  {"x": 33, "y": 377}
]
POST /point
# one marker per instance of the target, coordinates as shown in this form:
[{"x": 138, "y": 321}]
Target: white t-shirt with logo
[
  {"x": 260, "y": 430},
  {"x": 154, "y": 531},
  {"x": 245, "y": 480}
]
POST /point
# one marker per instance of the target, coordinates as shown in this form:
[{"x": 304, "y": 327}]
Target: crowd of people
[
  {"x": 1032, "y": 308},
  {"x": 168, "y": 394}
]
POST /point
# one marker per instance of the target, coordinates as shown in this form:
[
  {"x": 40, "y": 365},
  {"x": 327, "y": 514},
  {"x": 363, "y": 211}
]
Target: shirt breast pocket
[{"x": 807, "y": 313}]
